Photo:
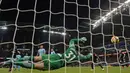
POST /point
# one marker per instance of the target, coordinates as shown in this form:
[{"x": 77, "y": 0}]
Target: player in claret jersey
[{"x": 123, "y": 58}]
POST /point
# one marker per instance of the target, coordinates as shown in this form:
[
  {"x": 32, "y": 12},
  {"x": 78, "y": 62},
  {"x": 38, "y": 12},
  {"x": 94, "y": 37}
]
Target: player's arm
[
  {"x": 73, "y": 41},
  {"x": 85, "y": 57}
]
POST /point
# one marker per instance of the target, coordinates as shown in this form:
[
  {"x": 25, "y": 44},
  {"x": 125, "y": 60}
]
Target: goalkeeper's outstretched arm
[{"x": 73, "y": 41}]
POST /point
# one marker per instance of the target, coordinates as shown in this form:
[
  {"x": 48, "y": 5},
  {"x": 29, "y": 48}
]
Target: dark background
[{"x": 26, "y": 19}]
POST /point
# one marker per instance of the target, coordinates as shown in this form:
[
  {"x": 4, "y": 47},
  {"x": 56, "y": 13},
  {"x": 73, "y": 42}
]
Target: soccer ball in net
[{"x": 115, "y": 39}]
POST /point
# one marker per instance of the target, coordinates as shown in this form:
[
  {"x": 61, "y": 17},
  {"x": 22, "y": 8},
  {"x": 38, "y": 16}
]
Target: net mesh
[{"x": 25, "y": 25}]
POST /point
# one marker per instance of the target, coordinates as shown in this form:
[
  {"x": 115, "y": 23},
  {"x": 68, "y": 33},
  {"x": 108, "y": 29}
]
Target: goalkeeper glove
[{"x": 83, "y": 39}]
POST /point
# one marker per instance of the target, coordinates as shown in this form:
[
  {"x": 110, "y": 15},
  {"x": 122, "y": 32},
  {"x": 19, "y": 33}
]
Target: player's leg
[
  {"x": 31, "y": 58},
  {"x": 93, "y": 61},
  {"x": 55, "y": 62},
  {"x": 28, "y": 64},
  {"x": 27, "y": 58},
  {"x": 122, "y": 65},
  {"x": 101, "y": 66},
  {"x": 127, "y": 60},
  {"x": 92, "y": 66},
  {"x": 96, "y": 60},
  {"x": 127, "y": 65},
  {"x": 15, "y": 67},
  {"x": 123, "y": 61},
  {"x": 18, "y": 67},
  {"x": 10, "y": 67}
]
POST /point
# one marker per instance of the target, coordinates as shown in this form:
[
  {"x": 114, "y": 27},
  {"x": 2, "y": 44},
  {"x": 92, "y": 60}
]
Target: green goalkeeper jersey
[{"x": 55, "y": 61}]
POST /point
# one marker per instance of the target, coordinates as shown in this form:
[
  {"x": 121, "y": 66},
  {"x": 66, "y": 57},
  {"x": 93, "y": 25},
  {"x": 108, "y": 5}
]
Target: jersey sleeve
[
  {"x": 72, "y": 42},
  {"x": 44, "y": 51}
]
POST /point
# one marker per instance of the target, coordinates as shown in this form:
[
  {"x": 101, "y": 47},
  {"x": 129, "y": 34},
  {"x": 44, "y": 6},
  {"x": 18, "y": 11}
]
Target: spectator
[
  {"x": 52, "y": 51},
  {"x": 41, "y": 51}
]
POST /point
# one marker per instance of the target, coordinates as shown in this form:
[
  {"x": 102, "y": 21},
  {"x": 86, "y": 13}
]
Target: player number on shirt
[{"x": 70, "y": 56}]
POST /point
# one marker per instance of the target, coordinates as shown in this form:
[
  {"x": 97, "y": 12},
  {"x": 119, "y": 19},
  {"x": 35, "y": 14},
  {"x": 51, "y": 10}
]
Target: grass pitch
[{"x": 73, "y": 70}]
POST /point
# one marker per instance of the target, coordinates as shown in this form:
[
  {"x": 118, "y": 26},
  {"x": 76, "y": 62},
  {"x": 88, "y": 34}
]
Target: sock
[
  {"x": 92, "y": 66},
  {"x": 101, "y": 66},
  {"x": 26, "y": 58},
  {"x": 25, "y": 64}
]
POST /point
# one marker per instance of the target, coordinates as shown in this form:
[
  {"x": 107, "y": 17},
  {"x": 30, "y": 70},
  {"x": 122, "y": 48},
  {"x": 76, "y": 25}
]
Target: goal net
[{"x": 25, "y": 25}]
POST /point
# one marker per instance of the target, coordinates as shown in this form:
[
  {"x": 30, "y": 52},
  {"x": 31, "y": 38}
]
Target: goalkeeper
[{"x": 52, "y": 61}]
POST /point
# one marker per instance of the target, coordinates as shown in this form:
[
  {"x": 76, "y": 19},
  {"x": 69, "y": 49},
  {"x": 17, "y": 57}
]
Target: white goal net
[{"x": 25, "y": 25}]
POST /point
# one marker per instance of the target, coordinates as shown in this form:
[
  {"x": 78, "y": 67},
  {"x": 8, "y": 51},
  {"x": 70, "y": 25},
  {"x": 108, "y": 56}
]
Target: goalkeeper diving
[{"x": 52, "y": 61}]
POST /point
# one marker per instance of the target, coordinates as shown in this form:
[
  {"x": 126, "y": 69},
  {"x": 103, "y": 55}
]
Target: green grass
[{"x": 72, "y": 70}]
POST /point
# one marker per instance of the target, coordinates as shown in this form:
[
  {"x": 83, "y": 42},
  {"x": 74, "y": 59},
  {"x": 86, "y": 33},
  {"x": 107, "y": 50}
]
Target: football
[{"x": 115, "y": 39}]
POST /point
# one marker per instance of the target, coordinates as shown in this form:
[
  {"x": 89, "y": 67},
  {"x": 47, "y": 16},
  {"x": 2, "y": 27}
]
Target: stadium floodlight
[
  {"x": 54, "y": 32},
  {"x": 63, "y": 33},
  {"x": 4, "y": 28},
  {"x": 51, "y": 31},
  {"x": 114, "y": 12},
  {"x": 44, "y": 31}
]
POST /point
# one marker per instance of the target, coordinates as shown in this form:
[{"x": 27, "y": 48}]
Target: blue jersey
[
  {"x": 53, "y": 52},
  {"x": 41, "y": 52}
]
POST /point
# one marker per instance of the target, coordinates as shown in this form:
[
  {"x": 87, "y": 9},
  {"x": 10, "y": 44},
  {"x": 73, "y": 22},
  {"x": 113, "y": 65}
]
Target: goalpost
[{"x": 88, "y": 19}]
